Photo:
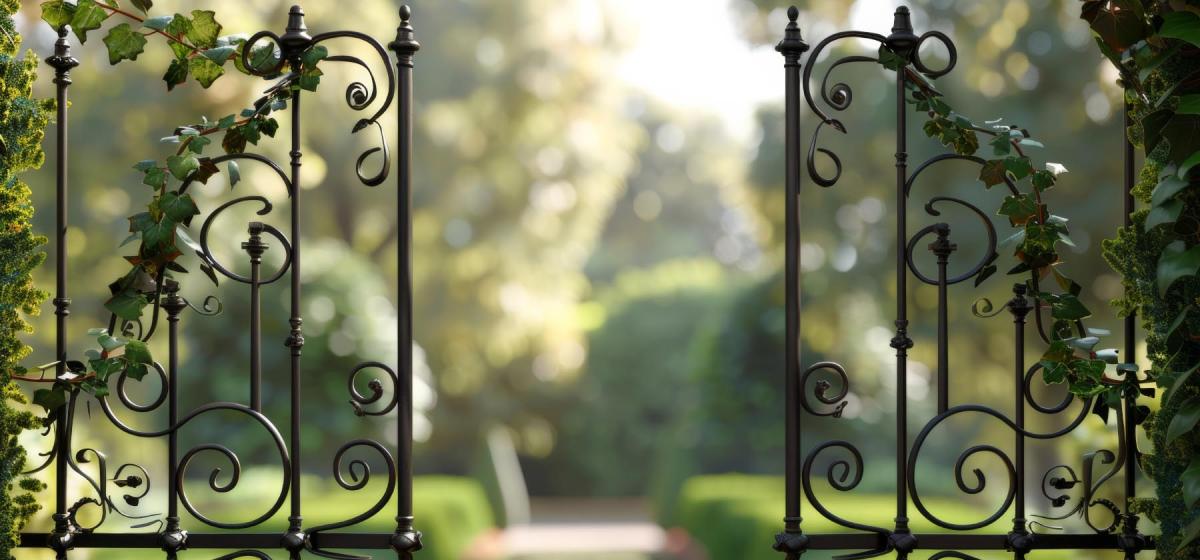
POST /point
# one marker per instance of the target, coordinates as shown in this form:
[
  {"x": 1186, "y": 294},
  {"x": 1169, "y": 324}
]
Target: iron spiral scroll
[
  {"x": 821, "y": 390},
  {"x": 375, "y": 388}
]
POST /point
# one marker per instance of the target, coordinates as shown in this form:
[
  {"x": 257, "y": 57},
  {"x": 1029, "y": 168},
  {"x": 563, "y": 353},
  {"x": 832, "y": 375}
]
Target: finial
[
  {"x": 902, "y": 41},
  {"x": 61, "y": 60},
  {"x": 295, "y": 38},
  {"x": 406, "y": 43},
  {"x": 792, "y": 45}
]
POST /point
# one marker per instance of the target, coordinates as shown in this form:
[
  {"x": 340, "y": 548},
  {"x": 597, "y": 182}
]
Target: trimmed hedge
[
  {"x": 451, "y": 513},
  {"x": 737, "y": 515}
]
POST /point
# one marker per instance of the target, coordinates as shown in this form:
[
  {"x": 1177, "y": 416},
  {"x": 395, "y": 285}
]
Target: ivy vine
[{"x": 161, "y": 229}]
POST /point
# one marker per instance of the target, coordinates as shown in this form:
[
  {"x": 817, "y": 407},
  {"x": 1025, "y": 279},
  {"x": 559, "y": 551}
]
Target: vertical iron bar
[
  {"x": 174, "y": 538},
  {"x": 255, "y": 248},
  {"x": 406, "y": 540},
  {"x": 293, "y": 43},
  {"x": 1132, "y": 541},
  {"x": 1020, "y": 541},
  {"x": 943, "y": 248},
  {"x": 62, "y": 62},
  {"x": 792, "y": 47}
]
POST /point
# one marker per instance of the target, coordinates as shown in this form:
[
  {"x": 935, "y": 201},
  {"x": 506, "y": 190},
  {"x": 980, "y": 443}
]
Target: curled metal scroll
[
  {"x": 988, "y": 257},
  {"x": 838, "y": 97},
  {"x": 821, "y": 389},
  {"x": 245, "y": 554},
  {"x": 360, "y": 475},
  {"x": 359, "y": 96},
  {"x": 952, "y": 55},
  {"x": 248, "y": 50},
  {"x": 211, "y": 260},
  {"x": 843, "y": 475},
  {"x": 360, "y": 401}
]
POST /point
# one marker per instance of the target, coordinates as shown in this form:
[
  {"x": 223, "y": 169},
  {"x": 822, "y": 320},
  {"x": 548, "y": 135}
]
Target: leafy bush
[
  {"x": 22, "y": 121},
  {"x": 451, "y": 512}
]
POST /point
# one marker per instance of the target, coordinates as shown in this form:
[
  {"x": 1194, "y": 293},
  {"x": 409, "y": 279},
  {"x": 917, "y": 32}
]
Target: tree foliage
[{"x": 22, "y": 121}]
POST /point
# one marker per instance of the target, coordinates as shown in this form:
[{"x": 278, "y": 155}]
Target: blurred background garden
[{"x": 597, "y": 259}]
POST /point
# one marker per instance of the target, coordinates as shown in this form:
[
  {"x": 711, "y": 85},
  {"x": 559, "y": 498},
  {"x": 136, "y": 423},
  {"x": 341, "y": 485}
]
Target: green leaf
[
  {"x": 1182, "y": 132},
  {"x": 88, "y": 16},
  {"x": 310, "y": 78},
  {"x": 57, "y": 13},
  {"x": 205, "y": 29},
  {"x": 1166, "y": 213},
  {"x": 109, "y": 342},
  {"x": 159, "y": 23},
  {"x": 1069, "y": 308},
  {"x": 1166, "y": 190},
  {"x": 1181, "y": 25},
  {"x": 49, "y": 399},
  {"x": 1185, "y": 419},
  {"x": 891, "y": 60},
  {"x": 177, "y": 73},
  {"x": 1019, "y": 209},
  {"x": 140, "y": 222},
  {"x": 1188, "y": 164},
  {"x": 1188, "y": 105},
  {"x": 1001, "y": 145},
  {"x": 145, "y": 165},
  {"x": 1190, "y": 533},
  {"x": 226, "y": 122},
  {"x": 1031, "y": 142},
  {"x": 160, "y": 235},
  {"x": 182, "y": 165},
  {"x": 205, "y": 70},
  {"x": 197, "y": 144},
  {"x": 143, "y": 5},
  {"x": 1177, "y": 262},
  {"x": 1191, "y": 483},
  {"x": 219, "y": 54},
  {"x": 234, "y": 172},
  {"x": 313, "y": 55},
  {"x": 137, "y": 352},
  {"x": 178, "y": 207},
  {"x": 1118, "y": 24},
  {"x": 124, "y": 43},
  {"x": 1180, "y": 383},
  {"x": 127, "y": 305},
  {"x": 234, "y": 141},
  {"x": 1043, "y": 180},
  {"x": 993, "y": 172},
  {"x": 155, "y": 177},
  {"x": 136, "y": 371},
  {"x": 1019, "y": 166},
  {"x": 97, "y": 331}
]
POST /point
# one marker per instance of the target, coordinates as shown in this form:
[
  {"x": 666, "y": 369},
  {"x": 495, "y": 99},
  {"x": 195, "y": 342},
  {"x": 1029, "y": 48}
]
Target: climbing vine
[
  {"x": 161, "y": 229},
  {"x": 1155, "y": 46},
  {"x": 1072, "y": 356},
  {"x": 23, "y": 119}
]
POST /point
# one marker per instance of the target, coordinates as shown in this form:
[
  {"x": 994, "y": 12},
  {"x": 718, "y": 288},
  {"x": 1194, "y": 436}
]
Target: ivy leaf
[
  {"x": 208, "y": 271},
  {"x": 136, "y": 371},
  {"x": 1118, "y": 23},
  {"x": 205, "y": 29},
  {"x": 182, "y": 165},
  {"x": 49, "y": 399},
  {"x": 88, "y": 16},
  {"x": 57, "y": 13},
  {"x": 159, "y": 23},
  {"x": 234, "y": 172},
  {"x": 205, "y": 70},
  {"x": 1043, "y": 180},
  {"x": 155, "y": 177},
  {"x": 206, "y": 171},
  {"x": 178, "y": 207},
  {"x": 1166, "y": 190},
  {"x": 137, "y": 352},
  {"x": 1001, "y": 145},
  {"x": 1176, "y": 262},
  {"x": 143, "y": 5},
  {"x": 1019, "y": 209},
  {"x": 993, "y": 172},
  {"x": 1184, "y": 420},
  {"x": 159, "y": 235},
  {"x": 891, "y": 60},
  {"x": 226, "y": 122},
  {"x": 124, "y": 43},
  {"x": 234, "y": 141},
  {"x": 219, "y": 54},
  {"x": 1188, "y": 105},
  {"x": 140, "y": 222},
  {"x": 109, "y": 342},
  {"x": 1181, "y": 25},
  {"x": 127, "y": 304},
  {"x": 177, "y": 73},
  {"x": 310, "y": 78},
  {"x": 1019, "y": 166},
  {"x": 145, "y": 165},
  {"x": 1069, "y": 308},
  {"x": 197, "y": 143},
  {"x": 183, "y": 237},
  {"x": 1166, "y": 213},
  {"x": 313, "y": 55}
]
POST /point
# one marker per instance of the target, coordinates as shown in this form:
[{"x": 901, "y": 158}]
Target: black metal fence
[
  {"x": 820, "y": 389},
  {"x": 110, "y": 490}
]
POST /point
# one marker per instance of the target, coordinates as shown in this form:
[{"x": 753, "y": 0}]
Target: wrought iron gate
[
  {"x": 820, "y": 389},
  {"x": 129, "y": 482}
]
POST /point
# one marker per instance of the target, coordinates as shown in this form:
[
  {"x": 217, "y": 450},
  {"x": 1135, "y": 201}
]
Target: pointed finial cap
[
  {"x": 902, "y": 40},
  {"x": 406, "y": 42},
  {"x": 792, "y": 45},
  {"x": 295, "y": 38}
]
